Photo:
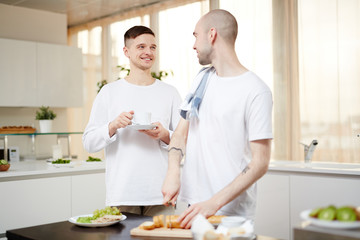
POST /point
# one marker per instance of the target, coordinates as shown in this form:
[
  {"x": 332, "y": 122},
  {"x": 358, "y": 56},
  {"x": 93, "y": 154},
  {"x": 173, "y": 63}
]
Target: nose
[{"x": 148, "y": 50}]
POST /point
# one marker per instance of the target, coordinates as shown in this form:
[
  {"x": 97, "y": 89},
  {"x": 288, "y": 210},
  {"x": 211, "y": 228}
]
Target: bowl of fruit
[
  {"x": 4, "y": 165},
  {"x": 347, "y": 216}
]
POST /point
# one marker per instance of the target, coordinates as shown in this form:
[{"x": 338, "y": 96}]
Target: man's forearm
[
  {"x": 251, "y": 173},
  {"x": 239, "y": 185},
  {"x": 176, "y": 150},
  {"x": 177, "y": 145}
]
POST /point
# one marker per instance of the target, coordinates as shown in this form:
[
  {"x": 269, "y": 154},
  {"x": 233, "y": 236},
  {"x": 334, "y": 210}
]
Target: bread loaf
[
  {"x": 16, "y": 129},
  {"x": 159, "y": 221},
  {"x": 215, "y": 219},
  {"x": 171, "y": 221},
  {"x": 211, "y": 235},
  {"x": 148, "y": 225}
]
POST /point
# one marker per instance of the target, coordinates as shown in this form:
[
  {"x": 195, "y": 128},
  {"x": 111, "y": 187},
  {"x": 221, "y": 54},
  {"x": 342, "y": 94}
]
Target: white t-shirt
[
  {"x": 136, "y": 164},
  {"x": 233, "y": 112}
]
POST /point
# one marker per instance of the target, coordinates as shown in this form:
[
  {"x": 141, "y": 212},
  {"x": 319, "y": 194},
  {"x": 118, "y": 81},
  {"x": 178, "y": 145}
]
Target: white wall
[{"x": 32, "y": 25}]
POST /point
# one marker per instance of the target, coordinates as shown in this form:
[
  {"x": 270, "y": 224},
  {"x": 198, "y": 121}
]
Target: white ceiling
[{"x": 82, "y": 11}]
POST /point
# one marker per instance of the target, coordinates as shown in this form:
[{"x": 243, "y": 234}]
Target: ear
[
  {"x": 126, "y": 52},
  {"x": 212, "y": 35}
]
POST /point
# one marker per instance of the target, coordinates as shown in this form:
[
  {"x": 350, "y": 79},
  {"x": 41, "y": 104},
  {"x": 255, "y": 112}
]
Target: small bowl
[
  {"x": 4, "y": 167},
  {"x": 232, "y": 221}
]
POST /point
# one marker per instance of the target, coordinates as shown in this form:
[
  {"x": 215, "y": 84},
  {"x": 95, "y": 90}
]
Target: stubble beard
[
  {"x": 204, "y": 61},
  {"x": 143, "y": 67},
  {"x": 204, "y": 57}
]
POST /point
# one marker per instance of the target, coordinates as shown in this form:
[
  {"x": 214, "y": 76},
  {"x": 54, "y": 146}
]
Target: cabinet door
[
  {"x": 88, "y": 193},
  {"x": 272, "y": 210},
  {"x": 59, "y": 72},
  {"x": 309, "y": 192},
  {"x": 33, "y": 202},
  {"x": 17, "y": 73}
]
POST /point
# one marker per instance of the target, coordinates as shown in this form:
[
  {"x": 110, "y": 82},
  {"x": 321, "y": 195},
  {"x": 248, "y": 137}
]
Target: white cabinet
[
  {"x": 308, "y": 192},
  {"x": 33, "y": 202},
  {"x": 88, "y": 193},
  {"x": 272, "y": 210},
  {"x": 282, "y": 196},
  {"x": 34, "y": 74},
  {"x": 59, "y": 75},
  {"x": 17, "y": 73}
]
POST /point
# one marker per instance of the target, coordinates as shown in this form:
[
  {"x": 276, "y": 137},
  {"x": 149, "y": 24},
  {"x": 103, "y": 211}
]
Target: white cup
[
  {"x": 56, "y": 152},
  {"x": 142, "y": 118}
]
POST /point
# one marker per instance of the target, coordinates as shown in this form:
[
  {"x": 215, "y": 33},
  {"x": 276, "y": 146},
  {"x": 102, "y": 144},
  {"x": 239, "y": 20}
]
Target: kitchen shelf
[
  {"x": 66, "y": 135},
  {"x": 36, "y": 133}
]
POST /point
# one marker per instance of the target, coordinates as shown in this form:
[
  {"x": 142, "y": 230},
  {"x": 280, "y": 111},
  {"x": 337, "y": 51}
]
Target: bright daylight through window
[
  {"x": 329, "y": 56},
  {"x": 319, "y": 97}
]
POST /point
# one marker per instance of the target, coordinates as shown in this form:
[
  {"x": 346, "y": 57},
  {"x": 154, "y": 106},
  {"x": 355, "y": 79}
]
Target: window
[
  {"x": 328, "y": 77},
  {"x": 329, "y": 58},
  {"x": 316, "y": 98},
  {"x": 117, "y": 31},
  {"x": 176, "y": 42},
  {"x": 254, "y": 40},
  {"x": 90, "y": 43}
]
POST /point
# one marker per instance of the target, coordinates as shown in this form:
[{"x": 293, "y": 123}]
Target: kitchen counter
[
  {"x": 289, "y": 188},
  {"x": 40, "y": 169},
  {"x": 69, "y": 231},
  {"x": 315, "y": 167},
  {"x": 35, "y": 169}
]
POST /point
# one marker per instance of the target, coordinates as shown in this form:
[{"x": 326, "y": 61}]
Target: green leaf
[{"x": 45, "y": 113}]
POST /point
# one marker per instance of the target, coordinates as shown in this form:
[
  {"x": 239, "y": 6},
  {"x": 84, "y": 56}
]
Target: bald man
[{"x": 225, "y": 130}]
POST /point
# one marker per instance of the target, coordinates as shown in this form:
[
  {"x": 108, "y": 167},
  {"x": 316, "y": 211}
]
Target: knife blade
[{"x": 170, "y": 204}]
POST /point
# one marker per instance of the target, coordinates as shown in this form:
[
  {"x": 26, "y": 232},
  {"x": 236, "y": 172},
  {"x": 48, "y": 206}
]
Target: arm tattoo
[
  {"x": 177, "y": 149},
  {"x": 245, "y": 170}
]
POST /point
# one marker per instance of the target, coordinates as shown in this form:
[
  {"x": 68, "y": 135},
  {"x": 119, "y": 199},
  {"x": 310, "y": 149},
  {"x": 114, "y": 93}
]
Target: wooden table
[{"x": 69, "y": 231}]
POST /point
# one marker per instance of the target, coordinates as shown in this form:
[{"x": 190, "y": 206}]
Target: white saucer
[
  {"x": 60, "y": 165},
  {"x": 141, "y": 127}
]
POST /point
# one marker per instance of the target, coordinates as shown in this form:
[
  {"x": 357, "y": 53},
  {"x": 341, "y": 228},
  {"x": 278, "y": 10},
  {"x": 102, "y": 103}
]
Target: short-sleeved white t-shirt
[{"x": 233, "y": 112}]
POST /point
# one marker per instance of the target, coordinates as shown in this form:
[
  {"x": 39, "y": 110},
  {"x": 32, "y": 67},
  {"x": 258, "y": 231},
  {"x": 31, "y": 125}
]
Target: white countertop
[
  {"x": 316, "y": 167},
  {"x": 41, "y": 169}
]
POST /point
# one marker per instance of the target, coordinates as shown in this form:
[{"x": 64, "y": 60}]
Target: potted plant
[{"x": 45, "y": 117}]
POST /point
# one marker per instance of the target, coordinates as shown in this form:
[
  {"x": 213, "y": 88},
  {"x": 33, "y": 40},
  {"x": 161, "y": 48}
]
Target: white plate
[
  {"x": 329, "y": 224},
  {"x": 141, "y": 127},
  {"x": 73, "y": 220},
  {"x": 58, "y": 165},
  {"x": 92, "y": 162}
]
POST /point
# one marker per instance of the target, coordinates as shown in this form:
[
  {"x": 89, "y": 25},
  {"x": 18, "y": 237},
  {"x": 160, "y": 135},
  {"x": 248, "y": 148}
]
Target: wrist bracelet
[{"x": 177, "y": 149}]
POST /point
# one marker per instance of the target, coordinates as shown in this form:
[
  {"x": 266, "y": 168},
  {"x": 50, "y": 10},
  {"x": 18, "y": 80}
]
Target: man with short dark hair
[
  {"x": 136, "y": 160},
  {"x": 225, "y": 129}
]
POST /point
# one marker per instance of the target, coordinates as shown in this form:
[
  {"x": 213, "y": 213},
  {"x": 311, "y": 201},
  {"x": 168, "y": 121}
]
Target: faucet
[{"x": 309, "y": 150}]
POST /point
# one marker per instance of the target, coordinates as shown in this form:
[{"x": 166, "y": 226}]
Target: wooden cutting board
[{"x": 162, "y": 232}]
